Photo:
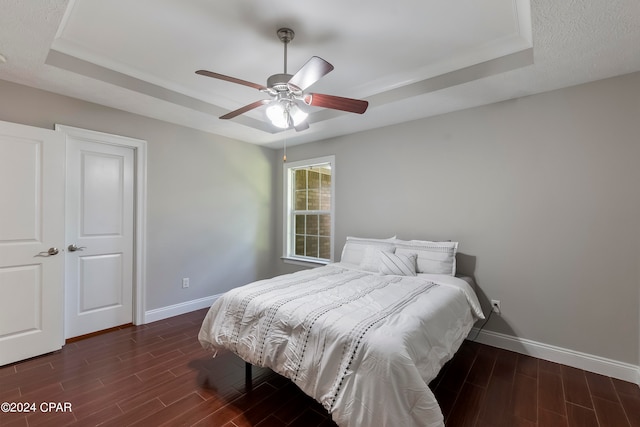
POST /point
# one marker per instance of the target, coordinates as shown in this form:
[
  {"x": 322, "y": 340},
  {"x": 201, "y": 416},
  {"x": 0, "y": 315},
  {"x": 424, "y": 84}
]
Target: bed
[{"x": 363, "y": 337}]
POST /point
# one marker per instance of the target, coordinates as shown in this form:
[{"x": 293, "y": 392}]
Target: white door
[
  {"x": 100, "y": 224},
  {"x": 31, "y": 238}
]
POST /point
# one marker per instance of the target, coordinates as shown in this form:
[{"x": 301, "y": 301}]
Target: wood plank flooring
[{"x": 158, "y": 375}]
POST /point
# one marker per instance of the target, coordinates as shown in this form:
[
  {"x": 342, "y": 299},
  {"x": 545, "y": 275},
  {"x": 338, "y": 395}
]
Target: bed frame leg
[{"x": 248, "y": 380}]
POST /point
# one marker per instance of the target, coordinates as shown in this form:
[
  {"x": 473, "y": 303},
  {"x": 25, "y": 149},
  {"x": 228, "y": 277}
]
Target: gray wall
[
  {"x": 541, "y": 192},
  {"x": 209, "y": 210}
]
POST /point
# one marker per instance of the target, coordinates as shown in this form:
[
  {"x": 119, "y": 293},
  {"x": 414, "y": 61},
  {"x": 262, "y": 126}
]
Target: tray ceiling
[{"x": 408, "y": 59}]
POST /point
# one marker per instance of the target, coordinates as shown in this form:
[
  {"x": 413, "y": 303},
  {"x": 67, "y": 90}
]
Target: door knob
[
  {"x": 50, "y": 252},
  {"x": 72, "y": 248}
]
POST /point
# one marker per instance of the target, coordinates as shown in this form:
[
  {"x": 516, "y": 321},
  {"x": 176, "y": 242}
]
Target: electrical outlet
[
  {"x": 495, "y": 306},
  {"x": 185, "y": 282}
]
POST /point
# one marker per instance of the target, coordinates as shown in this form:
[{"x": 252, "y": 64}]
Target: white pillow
[
  {"x": 354, "y": 248},
  {"x": 433, "y": 257},
  {"x": 398, "y": 265},
  {"x": 372, "y": 255}
]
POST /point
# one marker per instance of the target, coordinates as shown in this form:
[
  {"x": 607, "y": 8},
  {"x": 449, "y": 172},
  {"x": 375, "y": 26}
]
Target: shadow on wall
[{"x": 466, "y": 266}]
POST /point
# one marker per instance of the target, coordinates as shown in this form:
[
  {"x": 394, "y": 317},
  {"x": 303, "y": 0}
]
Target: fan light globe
[
  {"x": 297, "y": 115},
  {"x": 279, "y": 113}
]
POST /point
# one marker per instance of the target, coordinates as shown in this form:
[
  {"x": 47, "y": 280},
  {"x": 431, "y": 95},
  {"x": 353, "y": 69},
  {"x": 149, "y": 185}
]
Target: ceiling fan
[{"x": 288, "y": 91}]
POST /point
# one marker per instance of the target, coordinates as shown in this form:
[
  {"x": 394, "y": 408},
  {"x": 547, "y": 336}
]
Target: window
[{"x": 309, "y": 209}]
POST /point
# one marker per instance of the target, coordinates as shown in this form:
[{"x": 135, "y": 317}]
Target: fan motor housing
[{"x": 279, "y": 82}]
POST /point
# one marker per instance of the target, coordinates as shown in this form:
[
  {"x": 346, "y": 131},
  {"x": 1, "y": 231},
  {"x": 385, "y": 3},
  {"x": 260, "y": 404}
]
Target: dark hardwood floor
[{"x": 157, "y": 374}]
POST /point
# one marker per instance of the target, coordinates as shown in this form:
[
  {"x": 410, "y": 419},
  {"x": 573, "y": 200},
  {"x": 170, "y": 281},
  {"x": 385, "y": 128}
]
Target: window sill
[{"x": 304, "y": 262}]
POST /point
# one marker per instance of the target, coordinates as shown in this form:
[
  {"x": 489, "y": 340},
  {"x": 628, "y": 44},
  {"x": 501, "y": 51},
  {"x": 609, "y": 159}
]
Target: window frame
[{"x": 289, "y": 211}]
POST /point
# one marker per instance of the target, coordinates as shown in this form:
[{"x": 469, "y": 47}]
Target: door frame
[{"x": 139, "y": 147}]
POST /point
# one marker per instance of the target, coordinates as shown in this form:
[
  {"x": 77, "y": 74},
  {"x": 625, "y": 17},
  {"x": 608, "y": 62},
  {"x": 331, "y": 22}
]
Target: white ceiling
[{"x": 410, "y": 59}]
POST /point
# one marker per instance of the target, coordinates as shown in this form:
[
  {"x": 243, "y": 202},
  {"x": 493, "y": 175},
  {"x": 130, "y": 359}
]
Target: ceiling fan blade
[
  {"x": 244, "y": 109},
  {"x": 230, "y": 79},
  {"x": 336, "y": 102},
  {"x": 311, "y": 72}
]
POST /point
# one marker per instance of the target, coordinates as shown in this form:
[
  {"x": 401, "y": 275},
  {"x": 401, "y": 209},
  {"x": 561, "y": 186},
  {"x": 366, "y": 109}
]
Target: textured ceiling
[{"x": 408, "y": 59}]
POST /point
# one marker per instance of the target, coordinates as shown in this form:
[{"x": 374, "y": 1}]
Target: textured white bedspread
[{"x": 364, "y": 345}]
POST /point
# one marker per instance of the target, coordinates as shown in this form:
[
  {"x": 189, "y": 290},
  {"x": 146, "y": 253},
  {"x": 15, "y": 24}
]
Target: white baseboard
[
  {"x": 178, "y": 309},
  {"x": 588, "y": 362}
]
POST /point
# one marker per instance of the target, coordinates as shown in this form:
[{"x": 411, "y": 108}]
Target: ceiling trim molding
[
  {"x": 502, "y": 64},
  {"x": 88, "y": 69}
]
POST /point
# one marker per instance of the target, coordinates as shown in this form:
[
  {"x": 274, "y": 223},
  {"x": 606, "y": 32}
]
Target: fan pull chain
[{"x": 284, "y": 158}]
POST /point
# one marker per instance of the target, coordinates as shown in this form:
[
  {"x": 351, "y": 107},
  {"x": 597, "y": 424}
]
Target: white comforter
[{"x": 364, "y": 345}]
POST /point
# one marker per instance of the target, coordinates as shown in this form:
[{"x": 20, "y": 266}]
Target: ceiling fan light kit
[
  {"x": 285, "y": 114},
  {"x": 287, "y": 106}
]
